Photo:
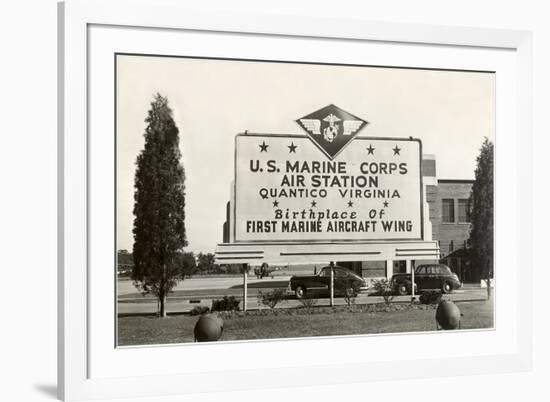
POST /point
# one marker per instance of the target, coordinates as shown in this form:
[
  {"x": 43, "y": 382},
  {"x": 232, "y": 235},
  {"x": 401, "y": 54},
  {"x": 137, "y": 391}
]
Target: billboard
[{"x": 289, "y": 189}]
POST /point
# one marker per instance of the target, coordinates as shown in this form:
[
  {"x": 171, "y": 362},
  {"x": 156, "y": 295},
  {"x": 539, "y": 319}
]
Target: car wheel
[
  {"x": 402, "y": 289},
  {"x": 300, "y": 292},
  {"x": 446, "y": 287}
]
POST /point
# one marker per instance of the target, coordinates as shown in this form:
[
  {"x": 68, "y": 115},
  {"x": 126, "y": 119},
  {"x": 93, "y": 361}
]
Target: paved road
[
  {"x": 125, "y": 286},
  {"x": 200, "y": 292}
]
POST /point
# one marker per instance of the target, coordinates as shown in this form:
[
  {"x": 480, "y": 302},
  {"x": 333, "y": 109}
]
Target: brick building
[{"x": 449, "y": 208}]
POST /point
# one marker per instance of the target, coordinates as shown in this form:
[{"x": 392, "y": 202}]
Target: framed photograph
[{"x": 249, "y": 200}]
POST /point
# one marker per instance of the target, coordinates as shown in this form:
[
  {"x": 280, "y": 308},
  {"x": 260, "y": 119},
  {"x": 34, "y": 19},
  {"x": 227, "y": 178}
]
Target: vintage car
[
  {"x": 427, "y": 277},
  {"x": 346, "y": 283}
]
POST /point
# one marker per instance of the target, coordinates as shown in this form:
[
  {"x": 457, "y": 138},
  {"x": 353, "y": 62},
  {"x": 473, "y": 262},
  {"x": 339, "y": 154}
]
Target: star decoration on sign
[
  {"x": 350, "y": 204},
  {"x": 313, "y": 203},
  {"x": 396, "y": 150},
  {"x": 263, "y": 147},
  {"x": 370, "y": 149},
  {"x": 276, "y": 204},
  {"x": 386, "y": 204},
  {"x": 292, "y": 148}
]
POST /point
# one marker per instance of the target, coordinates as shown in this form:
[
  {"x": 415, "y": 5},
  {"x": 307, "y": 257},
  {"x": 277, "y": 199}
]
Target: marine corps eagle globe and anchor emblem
[{"x": 331, "y": 128}]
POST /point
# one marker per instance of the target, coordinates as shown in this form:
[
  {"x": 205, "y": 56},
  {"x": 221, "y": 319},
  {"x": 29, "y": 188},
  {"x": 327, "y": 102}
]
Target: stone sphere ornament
[
  {"x": 209, "y": 328},
  {"x": 447, "y": 315}
]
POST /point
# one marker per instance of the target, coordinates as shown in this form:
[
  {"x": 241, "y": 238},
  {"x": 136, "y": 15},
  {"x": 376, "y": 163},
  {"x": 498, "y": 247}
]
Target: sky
[{"x": 213, "y": 100}]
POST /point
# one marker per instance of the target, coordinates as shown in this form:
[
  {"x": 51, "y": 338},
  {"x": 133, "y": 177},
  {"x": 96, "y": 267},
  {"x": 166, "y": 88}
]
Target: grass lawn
[{"x": 142, "y": 330}]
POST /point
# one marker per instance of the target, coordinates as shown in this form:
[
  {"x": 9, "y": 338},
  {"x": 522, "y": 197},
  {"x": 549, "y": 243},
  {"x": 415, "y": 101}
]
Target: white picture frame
[{"x": 80, "y": 313}]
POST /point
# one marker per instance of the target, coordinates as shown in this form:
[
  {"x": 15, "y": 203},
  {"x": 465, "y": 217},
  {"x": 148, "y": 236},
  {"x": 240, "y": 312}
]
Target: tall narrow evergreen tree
[
  {"x": 159, "y": 216},
  {"x": 481, "y": 203}
]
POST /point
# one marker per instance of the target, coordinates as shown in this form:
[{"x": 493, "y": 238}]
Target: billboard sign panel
[{"x": 287, "y": 189}]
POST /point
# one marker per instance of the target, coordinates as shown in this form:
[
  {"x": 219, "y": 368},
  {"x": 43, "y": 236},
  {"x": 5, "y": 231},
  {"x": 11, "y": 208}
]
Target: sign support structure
[
  {"x": 413, "y": 267},
  {"x": 245, "y": 286},
  {"x": 332, "y": 284}
]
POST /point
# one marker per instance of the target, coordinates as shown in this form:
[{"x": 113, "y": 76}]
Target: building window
[
  {"x": 448, "y": 206},
  {"x": 464, "y": 210}
]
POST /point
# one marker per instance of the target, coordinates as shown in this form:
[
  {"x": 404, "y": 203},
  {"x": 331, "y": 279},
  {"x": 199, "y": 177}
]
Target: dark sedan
[
  {"x": 427, "y": 277},
  {"x": 346, "y": 283}
]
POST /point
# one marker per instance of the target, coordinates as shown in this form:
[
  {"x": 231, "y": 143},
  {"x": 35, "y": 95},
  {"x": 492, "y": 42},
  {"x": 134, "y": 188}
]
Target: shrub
[
  {"x": 272, "y": 298},
  {"x": 430, "y": 297},
  {"x": 384, "y": 288},
  {"x": 199, "y": 310},
  {"x": 349, "y": 298},
  {"x": 228, "y": 303},
  {"x": 308, "y": 302},
  {"x": 344, "y": 287}
]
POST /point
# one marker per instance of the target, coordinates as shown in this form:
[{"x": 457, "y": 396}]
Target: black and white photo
[{"x": 270, "y": 200}]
